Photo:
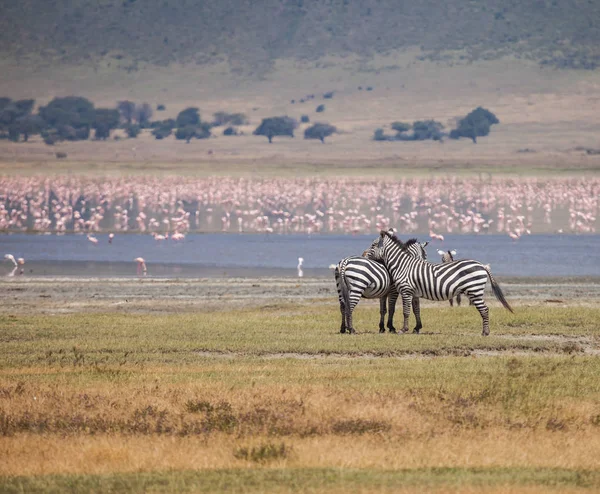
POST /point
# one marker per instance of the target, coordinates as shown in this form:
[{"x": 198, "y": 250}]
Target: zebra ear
[
  {"x": 441, "y": 252},
  {"x": 453, "y": 252},
  {"x": 425, "y": 244},
  {"x": 380, "y": 243}
]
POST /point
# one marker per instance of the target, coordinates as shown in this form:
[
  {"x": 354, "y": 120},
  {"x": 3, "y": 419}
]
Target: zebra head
[{"x": 412, "y": 247}]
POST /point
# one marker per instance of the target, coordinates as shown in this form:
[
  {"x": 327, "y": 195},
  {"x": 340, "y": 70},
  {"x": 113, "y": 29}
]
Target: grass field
[{"x": 270, "y": 397}]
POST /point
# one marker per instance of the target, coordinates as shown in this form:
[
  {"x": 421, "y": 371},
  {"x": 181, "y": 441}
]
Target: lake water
[{"x": 232, "y": 255}]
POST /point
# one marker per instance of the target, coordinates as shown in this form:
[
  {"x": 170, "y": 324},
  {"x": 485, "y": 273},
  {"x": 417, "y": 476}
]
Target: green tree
[
  {"x": 187, "y": 117},
  {"x": 105, "y": 120},
  {"x": 476, "y": 124},
  {"x": 319, "y": 131},
  {"x": 127, "y": 110},
  {"x": 276, "y": 126},
  {"x": 74, "y": 111}
]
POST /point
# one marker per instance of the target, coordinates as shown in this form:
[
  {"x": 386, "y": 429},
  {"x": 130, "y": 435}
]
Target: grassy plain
[
  {"x": 270, "y": 397},
  {"x": 548, "y": 117}
]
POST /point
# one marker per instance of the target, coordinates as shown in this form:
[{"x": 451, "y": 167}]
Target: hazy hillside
[{"x": 254, "y": 33}]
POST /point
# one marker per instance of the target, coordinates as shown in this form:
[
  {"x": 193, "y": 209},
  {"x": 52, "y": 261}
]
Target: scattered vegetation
[{"x": 420, "y": 130}]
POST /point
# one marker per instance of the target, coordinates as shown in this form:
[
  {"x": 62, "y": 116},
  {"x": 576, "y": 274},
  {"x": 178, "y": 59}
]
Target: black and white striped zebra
[
  {"x": 448, "y": 256},
  {"x": 418, "y": 278},
  {"x": 358, "y": 277}
]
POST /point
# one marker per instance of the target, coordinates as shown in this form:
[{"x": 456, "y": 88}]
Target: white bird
[
  {"x": 300, "y": 271},
  {"x": 110, "y": 237},
  {"x": 92, "y": 239},
  {"x": 141, "y": 266},
  {"x": 11, "y": 258}
]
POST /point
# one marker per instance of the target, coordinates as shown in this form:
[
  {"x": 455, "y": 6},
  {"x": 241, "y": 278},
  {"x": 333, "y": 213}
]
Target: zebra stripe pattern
[
  {"x": 418, "y": 278},
  {"x": 448, "y": 256},
  {"x": 358, "y": 277}
]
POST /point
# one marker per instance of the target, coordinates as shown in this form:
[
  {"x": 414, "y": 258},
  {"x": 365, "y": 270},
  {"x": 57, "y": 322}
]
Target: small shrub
[
  {"x": 132, "y": 130},
  {"x": 320, "y": 108},
  {"x": 304, "y": 119},
  {"x": 359, "y": 426},
  {"x": 263, "y": 453},
  {"x": 230, "y": 131},
  {"x": 161, "y": 107},
  {"x": 328, "y": 95},
  {"x": 60, "y": 155}
]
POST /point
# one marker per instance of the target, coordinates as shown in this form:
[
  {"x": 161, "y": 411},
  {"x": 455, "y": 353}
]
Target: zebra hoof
[
  {"x": 343, "y": 330},
  {"x": 382, "y": 330},
  {"x": 392, "y": 330}
]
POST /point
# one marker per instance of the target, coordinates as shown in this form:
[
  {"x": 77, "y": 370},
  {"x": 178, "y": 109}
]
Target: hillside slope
[{"x": 254, "y": 34}]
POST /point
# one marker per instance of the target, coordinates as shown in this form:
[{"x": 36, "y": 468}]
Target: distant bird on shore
[
  {"x": 16, "y": 263},
  {"x": 141, "y": 266},
  {"x": 110, "y": 237},
  {"x": 300, "y": 271},
  {"x": 92, "y": 239}
]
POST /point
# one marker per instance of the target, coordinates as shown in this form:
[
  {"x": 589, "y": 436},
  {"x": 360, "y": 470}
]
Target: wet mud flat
[{"x": 73, "y": 294}]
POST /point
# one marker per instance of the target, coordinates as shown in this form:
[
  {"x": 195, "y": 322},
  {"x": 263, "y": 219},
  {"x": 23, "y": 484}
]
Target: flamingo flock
[{"x": 170, "y": 207}]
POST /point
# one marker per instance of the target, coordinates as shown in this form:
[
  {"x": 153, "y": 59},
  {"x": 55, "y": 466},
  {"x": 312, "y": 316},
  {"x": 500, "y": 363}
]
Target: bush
[
  {"x": 401, "y": 127},
  {"x": 51, "y": 139},
  {"x": 276, "y": 126},
  {"x": 200, "y": 131},
  {"x": 230, "y": 131},
  {"x": 304, "y": 119},
  {"x": 132, "y": 130},
  {"x": 319, "y": 131},
  {"x": 161, "y": 132},
  {"x": 379, "y": 135},
  {"x": 161, "y": 107},
  {"x": 320, "y": 108},
  {"x": 168, "y": 123},
  {"x": 427, "y": 129},
  {"x": 60, "y": 155},
  {"x": 328, "y": 95},
  {"x": 224, "y": 118}
]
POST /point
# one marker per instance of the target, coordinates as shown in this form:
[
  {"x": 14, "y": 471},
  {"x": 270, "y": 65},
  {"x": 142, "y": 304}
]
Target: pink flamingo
[{"x": 141, "y": 266}]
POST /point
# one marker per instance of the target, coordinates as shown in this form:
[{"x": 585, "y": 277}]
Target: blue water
[{"x": 256, "y": 255}]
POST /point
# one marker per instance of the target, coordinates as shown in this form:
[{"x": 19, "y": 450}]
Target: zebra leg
[
  {"x": 458, "y": 299},
  {"x": 382, "y": 312},
  {"x": 452, "y": 302},
  {"x": 416, "y": 306},
  {"x": 343, "y": 311},
  {"x": 353, "y": 302},
  {"x": 483, "y": 309},
  {"x": 393, "y": 296},
  {"x": 406, "y": 304}
]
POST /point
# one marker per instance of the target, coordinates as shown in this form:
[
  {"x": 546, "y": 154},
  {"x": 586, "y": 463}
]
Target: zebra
[
  {"x": 448, "y": 256},
  {"x": 415, "y": 277},
  {"x": 357, "y": 277}
]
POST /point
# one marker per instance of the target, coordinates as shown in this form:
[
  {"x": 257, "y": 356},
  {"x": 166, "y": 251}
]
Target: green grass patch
[
  {"x": 306, "y": 480},
  {"x": 121, "y": 340}
]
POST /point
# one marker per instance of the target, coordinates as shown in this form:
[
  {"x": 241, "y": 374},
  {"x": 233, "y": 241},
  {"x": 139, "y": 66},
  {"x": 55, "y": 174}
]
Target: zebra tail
[
  {"x": 498, "y": 291},
  {"x": 345, "y": 292}
]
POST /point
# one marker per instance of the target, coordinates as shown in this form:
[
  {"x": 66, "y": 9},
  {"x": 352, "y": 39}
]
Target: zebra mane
[
  {"x": 409, "y": 243},
  {"x": 396, "y": 240}
]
